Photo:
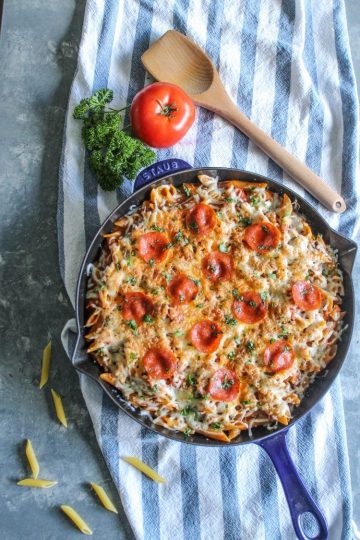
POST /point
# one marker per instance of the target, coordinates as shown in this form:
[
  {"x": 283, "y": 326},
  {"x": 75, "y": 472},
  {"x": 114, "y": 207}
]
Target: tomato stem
[{"x": 167, "y": 110}]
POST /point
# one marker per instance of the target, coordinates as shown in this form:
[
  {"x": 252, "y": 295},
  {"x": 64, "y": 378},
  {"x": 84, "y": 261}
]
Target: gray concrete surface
[{"x": 38, "y": 53}]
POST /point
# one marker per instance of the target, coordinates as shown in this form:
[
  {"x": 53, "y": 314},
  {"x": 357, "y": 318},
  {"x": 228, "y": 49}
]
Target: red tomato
[
  {"x": 136, "y": 306},
  {"x": 249, "y": 308},
  {"x": 153, "y": 246},
  {"x": 161, "y": 114},
  {"x": 201, "y": 219},
  {"x": 182, "y": 290},
  {"x": 306, "y": 296},
  {"x": 224, "y": 385},
  {"x": 159, "y": 363},
  {"x": 278, "y": 356},
  {"x": 262, "y": 237},
  {"x": 217, "y": 266},
  {"x": 206, "y": 336}
]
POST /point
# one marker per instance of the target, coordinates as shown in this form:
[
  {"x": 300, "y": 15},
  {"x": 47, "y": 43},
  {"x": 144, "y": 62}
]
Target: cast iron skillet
[{"x": 177, "y": 172}]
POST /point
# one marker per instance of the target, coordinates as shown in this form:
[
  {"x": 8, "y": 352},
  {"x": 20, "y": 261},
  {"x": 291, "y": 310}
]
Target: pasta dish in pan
[{"x": 213, "y": 306}]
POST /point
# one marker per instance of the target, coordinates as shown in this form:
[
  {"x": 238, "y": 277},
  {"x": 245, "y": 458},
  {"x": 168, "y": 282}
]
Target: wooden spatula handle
[{"x": 294, "y": 167}]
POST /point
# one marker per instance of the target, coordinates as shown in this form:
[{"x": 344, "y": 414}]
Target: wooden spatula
[{"x": 176, "y": 59}]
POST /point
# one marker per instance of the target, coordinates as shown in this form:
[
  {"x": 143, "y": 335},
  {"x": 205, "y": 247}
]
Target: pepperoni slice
[
  {"x": 182, "y": 290},
  {"x": 153, "y": 246},
  {"x": 206, "y": 336},
  {"x": 279, "y": 356},
  {"x": 159, "y": 363},
  {"x": 249, "y": 308},
  {"x": 224, "y": 385},
  {"x": 262, "y": 237},
  {"x": 218, "y": 266},
  {"x": 136, "y": 305},
  {"x": 201, "y": 219},
  {"x": 306, "y": 296}
]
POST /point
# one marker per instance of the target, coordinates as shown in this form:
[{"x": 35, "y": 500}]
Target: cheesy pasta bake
[{"x": 213, "y": 306}]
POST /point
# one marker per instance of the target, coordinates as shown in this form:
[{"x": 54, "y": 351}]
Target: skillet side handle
[
  {"x": 158, "y": 170},
  {"x": 297, "y": 496}
]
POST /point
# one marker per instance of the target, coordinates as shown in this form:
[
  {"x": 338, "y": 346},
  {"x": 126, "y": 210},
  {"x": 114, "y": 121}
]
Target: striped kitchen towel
[{"x": 287, "y": 64}]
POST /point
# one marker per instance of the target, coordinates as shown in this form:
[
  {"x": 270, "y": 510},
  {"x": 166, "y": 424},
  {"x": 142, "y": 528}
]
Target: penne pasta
[
  {"x": 37, "y": 483},
  {"x": 31, "y": 457},
  {"x": 135, "y": 462},
  {"x": 104, "y": 498},
  {"x": 76, "y": 519},
  {"x": 45, "y": 365},
  {"x": 59, "y": 408}
]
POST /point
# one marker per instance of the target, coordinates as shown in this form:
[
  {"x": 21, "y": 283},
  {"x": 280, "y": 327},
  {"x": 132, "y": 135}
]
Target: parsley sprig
[{"x": 113, "y": 154}]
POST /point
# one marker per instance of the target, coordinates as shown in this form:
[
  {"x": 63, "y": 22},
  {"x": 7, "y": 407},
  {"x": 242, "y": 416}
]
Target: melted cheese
[{"x": 183, "y": 403}]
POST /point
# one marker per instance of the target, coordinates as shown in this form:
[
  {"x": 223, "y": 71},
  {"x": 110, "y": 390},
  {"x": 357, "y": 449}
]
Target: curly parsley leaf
[{"x": 114, "y": 155}]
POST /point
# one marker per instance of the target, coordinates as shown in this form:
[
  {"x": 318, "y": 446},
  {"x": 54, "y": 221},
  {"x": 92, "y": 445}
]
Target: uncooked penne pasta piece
[
  {"x": 104, "y": 498},
  {"x": 31, "y": 457},
  {"x": 76, "y": 519},
  {"x": 45, "y": 365},
  {"x": 37, "y": 483},
  {"x": 59, "y": 408},
  {"x": 135, "y": 462}
]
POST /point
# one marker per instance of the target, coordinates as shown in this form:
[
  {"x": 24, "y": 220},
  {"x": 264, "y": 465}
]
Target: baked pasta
[{"x": 213, "y": 306}]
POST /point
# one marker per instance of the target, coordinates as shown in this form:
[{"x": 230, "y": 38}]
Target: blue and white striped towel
[{"x": 287, "y": 64}]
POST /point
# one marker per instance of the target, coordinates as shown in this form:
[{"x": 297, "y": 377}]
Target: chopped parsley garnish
[
  {"x": 250, "y": 346},
  {"x": 265, "y": 229},
  {"x": 251, "y": 303},
  {"x": 152, "y": 262},
  {"x": 187, "y": 432},
  {"x": 227, "y": 383},
  {"x": 118, "y": 266},
  {"x": 196, "y": 281},
  {"x": 246, "y": 402},
  {"x": 158, "y": 229},
  {"x": 167, "y": 276},
  {"x": 231, "y": 355},
  {"x": 188, "y": 410},
  {"x": 186, "y": 190},
  {"x": 263, "y": 296},
  {"x": 178, "y": 236},
  {"x": 236, "y": 294},
  {"x": 133, "y": 356},
  {"x": 182, "y": 297},
  {"x": 194, "y": 226},
  {"x": 191, "y": 379},
  {"x": 223, "y": 248},
  {"x": 237, "y": 341},
  {"x": 230, "y": 199},
  {"x": 154, "y": 292},
  {"x": 131, "y": 280},
  {"x": 255, "y": 201},
  {"x": 178, "y": 333},
  {"x": 284, "y": 332},
  {"x": 199, "y": 305},
  {"x": 132, "y": 324},
  {"x": 220, "y": 215},
  {"x": 230, "y": 320},
  {"x": 206, "y": 396},
  {"x": 148, "y": 319},
  {"x": 212, "y": 268},
  {"x": 215, "y": 425},
  {"x": 244, "y": 220},
  {"x": 272, "y": 275},
  {"x": 272, "y": 340}
]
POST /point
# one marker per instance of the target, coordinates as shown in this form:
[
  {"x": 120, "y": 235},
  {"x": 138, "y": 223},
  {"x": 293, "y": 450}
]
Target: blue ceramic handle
[
  {"x": 298, "y": 498},
  {"x": 158, "y": 170}
]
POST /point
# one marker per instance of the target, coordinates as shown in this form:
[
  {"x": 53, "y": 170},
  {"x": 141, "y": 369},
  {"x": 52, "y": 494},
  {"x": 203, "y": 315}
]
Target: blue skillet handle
[
  {"x": 297, "y": 496},
  {"x": 160, "y": 169}
]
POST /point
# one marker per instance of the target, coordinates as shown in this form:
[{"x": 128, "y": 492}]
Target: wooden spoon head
[{"x": 176, "y": 59}]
